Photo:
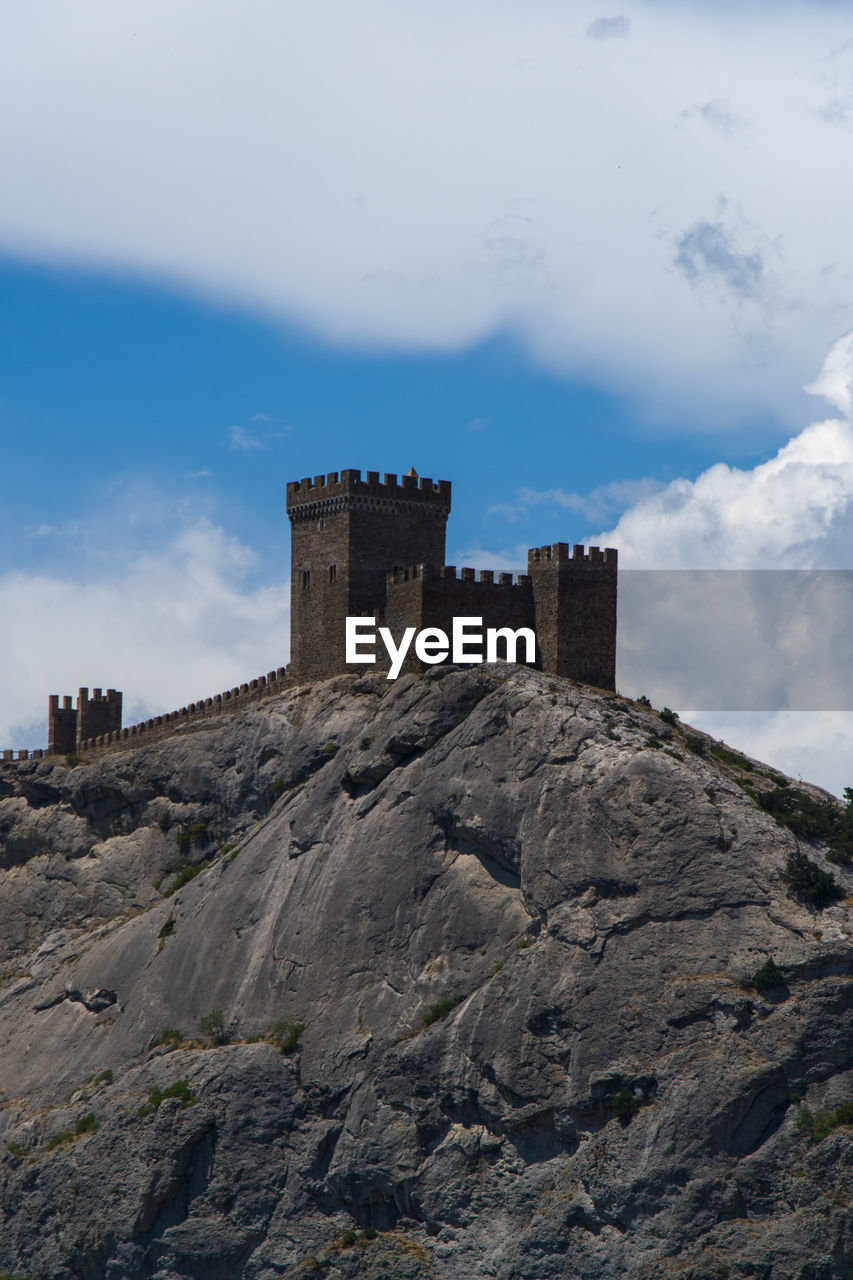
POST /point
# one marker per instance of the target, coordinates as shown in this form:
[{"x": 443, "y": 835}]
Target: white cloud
[
  {"x": 177, "y": 623},
  {"x": 793, "y": 511},
  {"x": 752, "y": 639},
  {"x": 408, "y": 177}
]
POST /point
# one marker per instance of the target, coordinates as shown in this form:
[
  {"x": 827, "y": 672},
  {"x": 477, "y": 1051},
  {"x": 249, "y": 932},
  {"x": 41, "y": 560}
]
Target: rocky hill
[{"x": 453, "y": 977}]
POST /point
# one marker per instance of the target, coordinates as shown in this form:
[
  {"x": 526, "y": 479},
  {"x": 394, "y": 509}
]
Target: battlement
[
  {"x": 343, "y": 488},
  {"x": 448, "y": 572},
  {"x": 559, "y": 553}
]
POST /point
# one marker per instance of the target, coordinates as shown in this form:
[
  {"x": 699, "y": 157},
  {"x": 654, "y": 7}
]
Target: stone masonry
[{"x": 371, "y": 548}]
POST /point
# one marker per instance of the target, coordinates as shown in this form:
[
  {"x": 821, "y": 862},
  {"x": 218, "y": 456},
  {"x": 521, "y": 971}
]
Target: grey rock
[{"x": 517, "y": 918}]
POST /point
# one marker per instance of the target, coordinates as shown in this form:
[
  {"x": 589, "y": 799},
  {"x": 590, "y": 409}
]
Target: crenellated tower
[
  {"x": 69, "y": 727},
  {"x": 574, "y": 604},
  {"x": 346, "y": 535}
]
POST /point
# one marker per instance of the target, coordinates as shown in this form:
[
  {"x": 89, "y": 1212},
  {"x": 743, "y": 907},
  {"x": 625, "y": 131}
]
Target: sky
[{"x": 590, "y": 263}]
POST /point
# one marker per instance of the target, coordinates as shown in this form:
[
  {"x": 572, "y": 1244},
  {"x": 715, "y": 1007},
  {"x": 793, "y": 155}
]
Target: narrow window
[
  {"x": 321, "y": 524},
  {"x": 306, "y": 580},
  {"x": 333, "y": 572}
]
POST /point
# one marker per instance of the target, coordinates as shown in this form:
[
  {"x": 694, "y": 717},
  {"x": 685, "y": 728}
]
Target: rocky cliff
[{"x": 450, "y": 977}]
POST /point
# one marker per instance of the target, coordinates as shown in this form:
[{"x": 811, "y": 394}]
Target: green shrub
[
  {"x": 198, "y": 833},
  {"x": 695, "y": 744},
  {"x": 347, "y": 1238},
  {"x": 86, "y": 1124},
  {"x": 180, "y": 1089},
  {"x": 60, "y": 1139},
  {"x": 331, "y": 748},
  {"x": 286, "y": 1034},
  {"x": 71, "y": 760},
  {"x": 768, "y": 976},
  {"x": 365, "y": 743},
  {"x": 733, "y": 758},
  {"x": 809, "y": 882},
  {"x": 643, "y": 700},
  {"x": 165, "y": 820},
  {"x": 818, "y": 1124},
  {"x": 625, "y": 1106},
  {"x": 213, "y": 1026},
  {"x": 668, "y": 716},
  {"x": 440, "y": 1011},
  {"x": 274, "y": 790},
  {"x": 183, "y": 840},
  {"x": 168, "y": 928},
  {"x": 841, "y": 844},
  {"x": 15, "y": 1149},
  {"x": 369, "y": 1233},
  {"x": 186, "y": 871},
  {"x": 105, "y": 1077},
  {"x": 804, "y": 815},
  {"x": 523, "y": 944},
  {"x": 170, "y": 1036}
]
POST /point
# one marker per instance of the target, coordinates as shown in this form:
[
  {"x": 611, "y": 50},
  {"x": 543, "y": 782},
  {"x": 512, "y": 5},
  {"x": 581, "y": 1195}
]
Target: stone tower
[
  {"x": 346, "y": 534},
  {"x": 574, "y": 606}
]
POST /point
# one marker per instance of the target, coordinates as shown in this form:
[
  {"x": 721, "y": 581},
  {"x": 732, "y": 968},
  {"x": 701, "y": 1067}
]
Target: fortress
[{"x": 375, "y": 548}]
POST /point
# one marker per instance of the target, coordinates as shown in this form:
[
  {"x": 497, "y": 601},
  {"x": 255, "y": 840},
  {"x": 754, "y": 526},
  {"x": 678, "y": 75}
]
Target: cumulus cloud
[
  {"x": 420, "y": 177},
  {"x": 177, "y": 623},
  {"x": 793, "y": 511},
  {"x": 702, "y": 637}
]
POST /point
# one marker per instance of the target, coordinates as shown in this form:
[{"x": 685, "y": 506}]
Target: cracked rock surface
[{"x": 477, "y": 946}]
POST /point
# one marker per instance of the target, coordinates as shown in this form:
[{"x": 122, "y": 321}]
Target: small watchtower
[
  {"x": 574, "y": 606},
  {"x": 68, "y": 728},
  {"x": 346, "y": 534}
]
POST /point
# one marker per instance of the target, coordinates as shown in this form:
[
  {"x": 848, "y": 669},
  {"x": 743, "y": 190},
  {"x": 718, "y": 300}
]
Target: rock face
[{"x": 517, "y": 918}]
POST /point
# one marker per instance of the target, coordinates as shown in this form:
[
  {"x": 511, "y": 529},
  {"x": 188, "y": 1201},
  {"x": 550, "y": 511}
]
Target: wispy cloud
[
  {"x": 598, "y": 504},
  {"x": 618, "y": 28},
  {"x": 709, "y": 251},
  {"x": 242, "y": 441},
  {"x": 478, "y": 424},
  {"x": 715, "y": 113}
]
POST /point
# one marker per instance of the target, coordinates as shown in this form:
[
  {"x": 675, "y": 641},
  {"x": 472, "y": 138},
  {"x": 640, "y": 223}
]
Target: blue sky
[{"x": 581, "y": 261}]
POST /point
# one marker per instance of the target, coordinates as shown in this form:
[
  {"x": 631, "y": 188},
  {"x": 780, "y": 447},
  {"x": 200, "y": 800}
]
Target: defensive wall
[
  {"x": 374, "y": 547},
  {"x": 161, "y": 726}
]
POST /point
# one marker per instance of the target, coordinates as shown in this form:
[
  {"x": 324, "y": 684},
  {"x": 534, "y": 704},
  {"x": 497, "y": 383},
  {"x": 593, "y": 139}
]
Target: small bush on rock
[
  {"x": 440, "y": 1011},
  {"x": 286, "y": 1034},
  {"x": 213, "y": 1026},
  {"x": 768, "y": 976},
  {"x": 809, "y": 882},
  {"x": 625, "y": 1106},
  {"x": 818, "y": 1124},
  {"x": 180, "y": 1089}
]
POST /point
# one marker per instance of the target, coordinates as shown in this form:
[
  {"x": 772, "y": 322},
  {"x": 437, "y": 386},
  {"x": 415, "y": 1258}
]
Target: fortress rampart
[{"x": 367, "y": 547}]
